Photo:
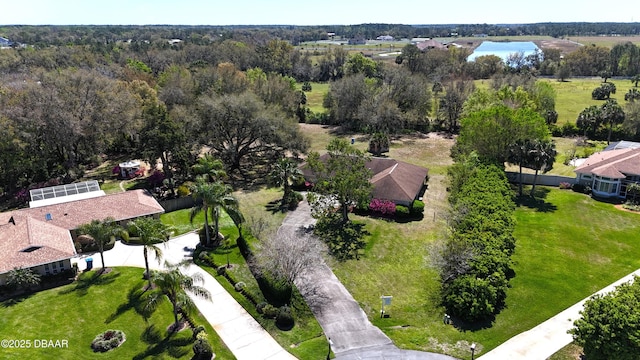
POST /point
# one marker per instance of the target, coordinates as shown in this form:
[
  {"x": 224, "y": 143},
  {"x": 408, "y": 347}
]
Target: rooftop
[
  {"x": 612, "y": 163},
  {"x": 120, "y": 206},
  {"x": 27, "y": 242}
]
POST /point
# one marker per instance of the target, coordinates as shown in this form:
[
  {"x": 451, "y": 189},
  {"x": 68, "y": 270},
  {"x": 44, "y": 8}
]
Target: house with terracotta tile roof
[
  {"x": 609, "y": 172},
  {"x": 42, "y": 238},
  {"x": 392, "y": 180}
]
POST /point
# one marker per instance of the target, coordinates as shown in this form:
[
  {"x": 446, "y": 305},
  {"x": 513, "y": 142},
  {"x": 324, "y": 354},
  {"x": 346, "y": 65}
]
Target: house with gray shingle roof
[
  {"x": 392, "y": 180},
  {"x": 42, "y": 238},
  {"x": 609, "y": 172}
]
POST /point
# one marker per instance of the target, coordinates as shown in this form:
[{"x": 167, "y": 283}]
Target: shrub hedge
[{"x": 482, "y": 221}]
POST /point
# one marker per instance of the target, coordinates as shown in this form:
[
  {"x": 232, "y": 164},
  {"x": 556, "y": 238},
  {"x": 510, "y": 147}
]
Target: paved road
[
  {"x": 343, "y": 321},
  {"x": 246, "y": 339}
]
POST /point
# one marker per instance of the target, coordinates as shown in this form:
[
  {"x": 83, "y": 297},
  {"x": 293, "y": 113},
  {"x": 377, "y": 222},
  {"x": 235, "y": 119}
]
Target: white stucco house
[{"x": 609, "y": 172}]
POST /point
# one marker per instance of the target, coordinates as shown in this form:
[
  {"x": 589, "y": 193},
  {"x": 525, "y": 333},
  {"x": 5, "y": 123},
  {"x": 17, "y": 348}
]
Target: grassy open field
[
  {"x": 574, "y": 95},
  {"x": 79, "y": 311},
  {"x": 316, "y": 95},
  {"x": 606, "y": 41}
]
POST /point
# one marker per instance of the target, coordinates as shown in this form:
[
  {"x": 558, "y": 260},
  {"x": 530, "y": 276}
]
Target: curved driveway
[
  {"x": 246, "y": 339},
  {"x": 343, "y": 321}
]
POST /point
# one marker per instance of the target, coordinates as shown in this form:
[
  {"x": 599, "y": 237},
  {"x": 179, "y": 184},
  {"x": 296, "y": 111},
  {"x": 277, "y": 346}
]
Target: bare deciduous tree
[{"x": 289, "y": 254}]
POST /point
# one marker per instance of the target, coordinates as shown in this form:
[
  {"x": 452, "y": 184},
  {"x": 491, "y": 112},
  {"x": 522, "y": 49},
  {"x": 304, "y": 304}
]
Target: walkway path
[
  {"x": 240, "y": 332},
  {"x": 547, "y": 338},
  {"x": 343, "y": 321}
]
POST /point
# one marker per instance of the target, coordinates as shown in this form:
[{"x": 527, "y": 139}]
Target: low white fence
[{"x": 543, "y": 179}]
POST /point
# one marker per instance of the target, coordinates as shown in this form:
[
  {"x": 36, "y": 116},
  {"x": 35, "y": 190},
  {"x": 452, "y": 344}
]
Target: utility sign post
[{"x": 386, "y": 301}]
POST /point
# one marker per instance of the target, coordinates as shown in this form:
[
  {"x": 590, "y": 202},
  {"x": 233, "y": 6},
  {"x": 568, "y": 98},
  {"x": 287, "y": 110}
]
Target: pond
[{"x": 504, "y": 49}]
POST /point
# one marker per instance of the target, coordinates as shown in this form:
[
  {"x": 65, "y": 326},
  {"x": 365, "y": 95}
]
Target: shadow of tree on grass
[
  {"x": 176, "y": 345},
  {"x": 92, "y": 278},
  {"x": 345, "y": 240},
  {"x": 136, "y": 301},
  {"x": 538, "y": 205},
  {"x": 16, "y": 300}
]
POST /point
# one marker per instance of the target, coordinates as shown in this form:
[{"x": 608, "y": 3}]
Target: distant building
[
  {"x": 430, "y": 44},
  {"x": 4, "y": 42},
  {"x": 360, "y": 40},
  {"x": 385, "y": 38}
]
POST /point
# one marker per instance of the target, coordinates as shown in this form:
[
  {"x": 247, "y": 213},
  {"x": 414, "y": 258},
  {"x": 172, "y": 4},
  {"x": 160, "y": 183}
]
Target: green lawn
[
  {"x": 180, "y": 220},
  {"x": 574, "y": 95},
  {"x": 79, "y": 311},
  {"x": 316, "y": 96},
  {"x": 568, "y": 247}
]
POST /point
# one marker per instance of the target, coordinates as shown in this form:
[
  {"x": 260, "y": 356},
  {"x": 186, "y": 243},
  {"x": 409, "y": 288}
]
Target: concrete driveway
[{"x": 343, "y": 321}]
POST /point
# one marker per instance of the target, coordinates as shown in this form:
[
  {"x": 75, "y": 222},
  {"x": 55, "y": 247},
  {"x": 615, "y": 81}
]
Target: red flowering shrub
[{"x": 384, "y": 207}]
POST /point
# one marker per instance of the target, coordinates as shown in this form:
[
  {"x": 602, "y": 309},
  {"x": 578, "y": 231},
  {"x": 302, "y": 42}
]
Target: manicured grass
[
  {"x": 79, "y": 311},
  {"x": 180, "y": 220},
  {"x": 566, "y": 148},
  {"x": 305, "y": 340},
  {"x": 111, "y": 186},
  {"x": 568, "y": 247}
]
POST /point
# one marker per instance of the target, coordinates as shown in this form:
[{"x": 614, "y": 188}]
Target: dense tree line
[
  {"x": 92, "y": 35},
  {"x": 114, "y": 89},
  {"x": 61, "y": 116}
]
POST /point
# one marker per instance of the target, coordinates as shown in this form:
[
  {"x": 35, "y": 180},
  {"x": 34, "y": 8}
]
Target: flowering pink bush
[
  {"x": 384, "y": 207},
  {"x": 565, "y": 185}
]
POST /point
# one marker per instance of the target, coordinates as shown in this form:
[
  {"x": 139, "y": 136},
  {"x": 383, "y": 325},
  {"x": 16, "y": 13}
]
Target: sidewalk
[
  {"x": 549, "y": 337},
  {"x": 240, "y": 332}
]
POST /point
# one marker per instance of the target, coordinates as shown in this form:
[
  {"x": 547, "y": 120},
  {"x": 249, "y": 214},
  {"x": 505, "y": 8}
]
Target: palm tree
[
  {"x": 102, "y": 232},
  {"x": 285, "y": 173},
  {"x": 150, "y": 232},
  {"x": 612, "y": 114},
  {"x": 210, "y": 167},
  {"x": 172, "y": 285},
  {"x": 216, "y": 197},
  {"x": 541, "y": 155},
  {"x": 589, "y": 119}
]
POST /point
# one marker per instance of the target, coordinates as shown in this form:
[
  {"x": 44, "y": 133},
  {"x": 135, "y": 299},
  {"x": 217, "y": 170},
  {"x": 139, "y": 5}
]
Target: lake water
[{"x": 504, "y": 49}]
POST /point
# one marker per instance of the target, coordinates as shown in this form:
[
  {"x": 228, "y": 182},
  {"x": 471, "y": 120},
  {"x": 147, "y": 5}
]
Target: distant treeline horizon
[{"x": 84, "y": 34}]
